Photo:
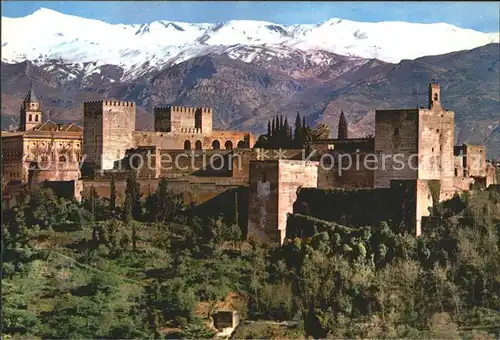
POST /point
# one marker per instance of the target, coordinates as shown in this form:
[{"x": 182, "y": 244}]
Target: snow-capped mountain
[
  {"x": 250, "y": 71},
  {"x": 48, "y": 35}
]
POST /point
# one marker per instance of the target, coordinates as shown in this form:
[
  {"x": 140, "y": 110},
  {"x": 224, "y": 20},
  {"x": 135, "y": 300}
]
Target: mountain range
[{"x": 249, "y": 71}]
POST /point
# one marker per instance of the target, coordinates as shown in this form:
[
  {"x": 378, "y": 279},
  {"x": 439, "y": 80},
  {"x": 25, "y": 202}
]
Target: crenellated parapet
[
  {"x": 95, "y": 104},
  {"x": 183, "y": 119}
]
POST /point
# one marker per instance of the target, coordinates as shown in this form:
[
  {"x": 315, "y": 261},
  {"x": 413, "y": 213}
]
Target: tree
[
  {"x": 132, "y": 206},
  {"x": 286, "y": 137},
  {"x": 321, "y": 131},
  {"x": 298, "y": 134},
  {"x": 112, "y": 196},
  {"x": 163, "y": 204}
]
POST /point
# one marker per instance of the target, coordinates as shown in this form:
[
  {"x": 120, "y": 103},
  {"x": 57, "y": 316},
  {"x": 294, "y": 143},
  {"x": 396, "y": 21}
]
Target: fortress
[{"x": 210, "y": 163}]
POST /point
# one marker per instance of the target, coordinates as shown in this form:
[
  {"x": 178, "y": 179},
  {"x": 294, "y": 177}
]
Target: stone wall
[
  {"x": 118, "y": 125},
  {"x": 182, "y": 120},
  {"x": 292, "y": 175},
  {"x": 435, "y": 143},
  {"x": 491, "y": 175},
  {"x": 263, "y": 201},
  {"x": 357, "y": 175},
  {"x": 65, "y": 188},
  {"x": 222, "y": 140},
  {"x": 396, "y": 132},
  {"x": 53, "y": 171},
  {"x": 272, "y": 191},
  {"x": 475, "y": 160},
  {"x": 424, "y": 203},
  {"x": 108, "y": 128},
  {"x": 12, "y": 159},
  {"x": 92, "y": 133},
  {"x": 361, "y": 207}
]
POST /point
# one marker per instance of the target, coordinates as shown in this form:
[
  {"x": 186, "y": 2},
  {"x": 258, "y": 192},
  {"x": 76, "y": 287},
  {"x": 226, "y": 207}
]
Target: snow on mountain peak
[{"x": 47, "y": 34}]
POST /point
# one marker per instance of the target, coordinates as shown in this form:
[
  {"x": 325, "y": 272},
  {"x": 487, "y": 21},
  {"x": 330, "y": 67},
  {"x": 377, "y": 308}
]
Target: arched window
[
  {"x": 187, "y": 145},
  {"x": 36, "y": 118},
  {"x": 30, "y": 118},
  {"x": 62, "y": 158},
  {"x": 215, "y": 145},
  {"x": 197, "y": 145},
  {"x": 435, "y": 96},
  {"x": 228, "y": 145},
  {"x": 241, "y": 144}
]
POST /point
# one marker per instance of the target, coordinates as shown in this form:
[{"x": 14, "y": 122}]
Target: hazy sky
[{"x": 482, "y": 16}]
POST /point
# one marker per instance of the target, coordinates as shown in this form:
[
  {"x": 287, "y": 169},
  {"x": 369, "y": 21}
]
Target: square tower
[
  {"x": 183, "y": 120},
  {"x": 107, "y": 132},
  {"x": 273, "y": 190},
  {"x": 415, "y": 143}
]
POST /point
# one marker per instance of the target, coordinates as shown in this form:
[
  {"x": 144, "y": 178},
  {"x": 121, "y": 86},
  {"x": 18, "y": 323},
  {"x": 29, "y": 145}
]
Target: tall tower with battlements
[
  {"x": 107, "y": 132},
  {"x": 416, "y": 143},
  {"x": 183, "y": 120}
]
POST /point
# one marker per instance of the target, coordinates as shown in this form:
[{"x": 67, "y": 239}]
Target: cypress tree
[
  {"x": 132, "y": 196},
  {"x": 112, "y": 196},
  {"x": 298, "y": 136},
  {"x": 92, "y": 198},
  {"x": 286, "y": 135},
  {"x": 343, "y": 131},
  {"x": 236, "y": 215},
  {"x": 269, "y": 129}
]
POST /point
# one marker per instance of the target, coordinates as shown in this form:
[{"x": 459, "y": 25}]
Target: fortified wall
[
  {"x": 273, "y": 186},
  {"x": 416, "y": 163}
]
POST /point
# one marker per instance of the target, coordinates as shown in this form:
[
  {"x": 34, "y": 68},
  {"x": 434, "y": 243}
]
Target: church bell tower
[{"x": 30, "y": 113}]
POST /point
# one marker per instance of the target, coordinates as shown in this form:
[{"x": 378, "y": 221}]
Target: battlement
[
  {"x": 160, "y": 110},
  {"x": 183, "y": 119},
  {"x": 100, "y": 103}
]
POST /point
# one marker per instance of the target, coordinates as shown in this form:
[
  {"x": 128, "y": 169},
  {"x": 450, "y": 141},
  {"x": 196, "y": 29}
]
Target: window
[
  {"x": 396, "y": 131},
  {"x": 465, "y": 173},
  {"x": 264, "y": 178},
  {"x": 36, "y": 118},
  {"x": 228, "y": 145},
  {"x": 30, "y": 118},
  {"x": 435, "y": 96},
  {"x": 241, "y": 144},
  {"x": 432, "y": 149},
  {"x": 197, "y": 119},
  {"x": 456, "y": 172},
  {"x": 197, "y": 145},
  {"x": 215, "y": 145},
  {"x": 437, "y": 130},
  {"x": 187, "y": 145}
]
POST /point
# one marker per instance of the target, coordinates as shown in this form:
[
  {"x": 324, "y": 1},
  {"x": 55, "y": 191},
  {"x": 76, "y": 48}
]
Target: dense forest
[{"x": 153, "y": 268}]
